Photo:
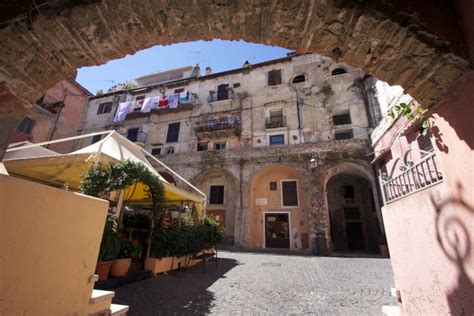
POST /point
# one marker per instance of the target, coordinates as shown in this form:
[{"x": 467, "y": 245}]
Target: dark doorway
[
  {"x": 355, "y": 239},
  {"x": 277, "y": 230}
]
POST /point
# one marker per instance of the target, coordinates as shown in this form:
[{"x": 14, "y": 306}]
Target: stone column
[
  {"x": 319, "y": 221},
  {"x": 12, "y": 111}
]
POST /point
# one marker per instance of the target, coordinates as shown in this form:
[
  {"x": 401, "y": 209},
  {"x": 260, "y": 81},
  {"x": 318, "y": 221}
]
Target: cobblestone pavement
[{"x": 256, "y": 283}]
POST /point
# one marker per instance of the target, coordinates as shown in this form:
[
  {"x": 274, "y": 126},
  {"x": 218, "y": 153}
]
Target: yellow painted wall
[
  {"x": 50, "y": 241},
  {"x": 261, "y": 190}
]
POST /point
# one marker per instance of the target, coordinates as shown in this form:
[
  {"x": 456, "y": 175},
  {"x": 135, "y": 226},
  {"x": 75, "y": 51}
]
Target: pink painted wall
[{"x": 431, "y": 233}]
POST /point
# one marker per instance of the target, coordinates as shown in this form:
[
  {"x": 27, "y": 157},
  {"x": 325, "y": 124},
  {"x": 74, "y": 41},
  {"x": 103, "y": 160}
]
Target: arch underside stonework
[{"x": 41, "y": 49}]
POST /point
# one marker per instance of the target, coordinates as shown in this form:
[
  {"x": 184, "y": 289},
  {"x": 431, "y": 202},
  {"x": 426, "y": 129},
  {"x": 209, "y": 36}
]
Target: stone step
[
  {"x": 117, "y": 309},
  {"x": 100, "y": 302}
]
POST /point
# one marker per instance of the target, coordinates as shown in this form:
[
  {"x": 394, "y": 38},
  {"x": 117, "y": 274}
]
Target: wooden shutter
[
  {"x": 173, "y": 133},
  {"x": 290, "y": 193}
]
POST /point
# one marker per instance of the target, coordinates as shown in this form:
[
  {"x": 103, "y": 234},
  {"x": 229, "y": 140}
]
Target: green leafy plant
[
  {"x": 110, "y": 244},
  {"x": 406, "y": 110},
  {"x": 141, "y": 221},
  {"x": 129, "y": 249}
]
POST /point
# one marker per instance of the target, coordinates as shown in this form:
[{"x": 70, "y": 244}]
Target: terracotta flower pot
[
  {"x": 102, "y": 269},
  {"x": 384, "y": 250},
  {"x": 120, "y": 267}
]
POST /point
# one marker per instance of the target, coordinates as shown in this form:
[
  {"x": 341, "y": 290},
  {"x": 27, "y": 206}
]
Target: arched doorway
[
  {"x": 354, "y": 224},
  {"x": 277, "y": 215}
]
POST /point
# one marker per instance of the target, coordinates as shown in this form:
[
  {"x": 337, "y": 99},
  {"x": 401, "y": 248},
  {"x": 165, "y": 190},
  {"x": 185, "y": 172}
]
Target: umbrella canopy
[{"x": 66, "y": 169}]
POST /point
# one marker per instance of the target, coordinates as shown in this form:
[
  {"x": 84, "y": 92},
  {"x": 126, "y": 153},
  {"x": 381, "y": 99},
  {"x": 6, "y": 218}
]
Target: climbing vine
[
  {"x": 405, "y": 110},
  {"x": 101, "y": 179}
]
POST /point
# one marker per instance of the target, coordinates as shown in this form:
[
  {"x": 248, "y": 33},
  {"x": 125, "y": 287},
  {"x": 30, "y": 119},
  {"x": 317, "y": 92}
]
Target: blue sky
[{"x": 220, "y": 55}]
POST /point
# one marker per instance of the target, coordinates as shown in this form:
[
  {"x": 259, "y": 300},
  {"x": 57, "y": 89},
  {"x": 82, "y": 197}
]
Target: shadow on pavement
[{"x": 174, "y": 293}]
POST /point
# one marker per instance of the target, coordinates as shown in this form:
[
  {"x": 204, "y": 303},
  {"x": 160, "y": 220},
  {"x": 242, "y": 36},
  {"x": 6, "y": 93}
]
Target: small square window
[
  {"x": 105, "y": 107},
  {"x": 169, "y": 150},
  {"x": 156, "y": 151},
  {"x": 216, "y": 195},
  {"x": 236, "y": 85},
  {"x": 273, "y": 186},
  {"x": 342, "y": 119},
  {"x": 347, "y": 192},
  {"x": 274, "y": 77},
  {"x": 277, "y": 139},
  {"x": 219, "y": 146},
  {"x": 26, "y": 126},
  {"x": 344, "y": 135},
  {"x": 132, "y": 134},
  {"x": 202, "y": 146}
]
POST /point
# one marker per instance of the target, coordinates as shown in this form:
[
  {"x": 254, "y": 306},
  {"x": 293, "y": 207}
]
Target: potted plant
[
  {"x": 128, "y": 250},
  {"x": 383, "y": 245},
  {"x": 160, "y": 260},
  {"x": 109, "y": 248}
]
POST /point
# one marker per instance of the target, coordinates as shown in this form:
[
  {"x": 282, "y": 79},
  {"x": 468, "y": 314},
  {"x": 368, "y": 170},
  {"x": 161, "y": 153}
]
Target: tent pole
[{"x": 119, "y": 212}]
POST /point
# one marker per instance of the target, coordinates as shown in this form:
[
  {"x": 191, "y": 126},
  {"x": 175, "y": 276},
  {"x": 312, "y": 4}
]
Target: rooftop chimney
[
  {"x": 246, "y": 64},
  {"x": 196, "y": 71},
  {"x": 208, "y": 70}
]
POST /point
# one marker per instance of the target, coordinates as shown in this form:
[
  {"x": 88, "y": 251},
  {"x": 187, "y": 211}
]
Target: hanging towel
[
  {"x": 173, "y": 101},
  {"x": 155, "y": 101},
  {"x": 146, "y": 107},
  {"x": 163, "y": 102},
  {"x": 122, "y": 111}
]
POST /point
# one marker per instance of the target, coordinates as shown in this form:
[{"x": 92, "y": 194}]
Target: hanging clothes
[
  {"x": 155, "y": 102},
  {"x": 163, "y": 102},
  {"x": 146, "y": 107},
  {"x": 173, "y": 101},
  {"x": 123, "y": 109}
]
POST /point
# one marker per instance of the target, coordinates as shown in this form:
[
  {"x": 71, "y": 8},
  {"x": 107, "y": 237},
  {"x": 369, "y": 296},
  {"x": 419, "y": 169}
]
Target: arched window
[
  {"x": 338, "y": 71},
  {"x": 300, "y": 78}
]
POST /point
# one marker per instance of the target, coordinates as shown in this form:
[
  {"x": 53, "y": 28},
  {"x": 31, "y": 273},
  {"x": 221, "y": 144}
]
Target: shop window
[
  {"x": 274, "y": 77},
  {"x": 298, "y": 79},
  {"x": 273, "y": 186},
  {"x": 96, "y": 138},
  {"x": 26, "y": 126},
  {"x": 156, "y": 151},
  {"x": 132, "y": 134},
  {"x": 216, "y": 195},
  {"x": 338, "y": 71},
  {"x": 173, "y": 132},
  {"x": 289, "y": 193},
  {"x": 220, "y": 146},
  {"x": 222, "y": 92},
  {"x": 169, "y": 150},
  {"x": 341, "y": 135},
  {"x": 277, "y": 139},
  {"x": 424, "y": 144},
  {"x": 202, "y": 146},
  {"x": 342, "y": 119},
  {"x": 105, "y": 107}
]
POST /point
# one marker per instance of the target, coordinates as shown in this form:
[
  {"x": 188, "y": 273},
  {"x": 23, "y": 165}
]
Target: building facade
[
  {"x": 281, "y": 148},
  {"x": 57, "y": 114}
]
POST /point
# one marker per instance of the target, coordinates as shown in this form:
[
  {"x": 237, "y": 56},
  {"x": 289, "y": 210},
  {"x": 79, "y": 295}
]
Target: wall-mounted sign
[{"x": 261, "y": 201}]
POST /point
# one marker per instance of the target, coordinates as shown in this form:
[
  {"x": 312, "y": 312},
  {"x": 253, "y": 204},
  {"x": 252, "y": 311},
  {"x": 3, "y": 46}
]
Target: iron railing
[
  {"x": 217, "y": 124},
  {"x": 275, "y": 121},
  {"x": 414, "y": 178}
]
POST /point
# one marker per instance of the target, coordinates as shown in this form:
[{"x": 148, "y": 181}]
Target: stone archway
[
  {"x": 50, "y": 42},
  {"x": 355, "y": 220},
  {"x": 223, "y": 196}
]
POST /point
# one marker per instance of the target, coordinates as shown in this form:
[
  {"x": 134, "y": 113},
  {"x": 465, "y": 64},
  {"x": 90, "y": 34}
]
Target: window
[
  {"x": 222, "y": 92},
  {"x": 342, "y": 119},
  {"x": 351, "y": 214},
  {"x": 289, "y": 193},
  {"x": 26, "y": 126},
  {"x": 96, "y": 138},
  {"x": 173, "y": 132},
  {"x": 156, "y": 151},
  {"x": 202, "y": 146},
  {"x": 274, "y": 77},
  {"x": 277, "y": 139},
  {"x": 338, "y": 71},
  {"x": 169, "y": 150},
  {"x": 347, "y": 191},
  {"x": 216, "y": 195},
  {"x": 179, "y": 90},
  {"x": 344, "y": 135},
  {"x": 219, "y": 146},
  {"x": 105, "y": 107},
  {"x": 424, "y": 144},
  {"x": 132, "y": 134},
  {"x": 273, "y": 186},
  {"x": 236, "y": 85},
  {"x": 298, "y": 79}
]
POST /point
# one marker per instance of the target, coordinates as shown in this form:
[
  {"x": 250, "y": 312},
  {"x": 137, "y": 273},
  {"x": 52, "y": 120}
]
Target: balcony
[
  {"x": 218, "y": 128},
  {"x": 415, "y": 178},
  {"x": 275, "y": 122}
]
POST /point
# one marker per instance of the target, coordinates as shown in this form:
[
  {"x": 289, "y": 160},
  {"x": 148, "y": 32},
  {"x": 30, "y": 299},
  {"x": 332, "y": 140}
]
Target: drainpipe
[{"x": 299, "y": 116}]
